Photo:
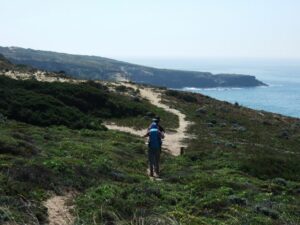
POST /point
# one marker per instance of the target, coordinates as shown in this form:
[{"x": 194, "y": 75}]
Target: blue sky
[{"x": 155, "y": 28}]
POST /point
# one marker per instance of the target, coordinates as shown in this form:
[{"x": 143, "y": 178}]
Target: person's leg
[
  {"x": 151, "y": 158},
  {"x": 157, "y": 158}
]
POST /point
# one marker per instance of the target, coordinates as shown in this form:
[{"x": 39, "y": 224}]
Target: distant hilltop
[{"x": 100, "y": 68}]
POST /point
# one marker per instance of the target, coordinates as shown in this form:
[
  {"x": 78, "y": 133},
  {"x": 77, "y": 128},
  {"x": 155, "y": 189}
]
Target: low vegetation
[
  {"x": 36, "y": 160},
  {"x": 82, "y": 105},
  {"x": 241, "y": 166}
]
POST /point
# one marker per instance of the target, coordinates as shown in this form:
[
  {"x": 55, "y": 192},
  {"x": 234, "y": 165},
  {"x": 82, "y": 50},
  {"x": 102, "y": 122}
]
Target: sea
[{"x": 282, "y": 95}]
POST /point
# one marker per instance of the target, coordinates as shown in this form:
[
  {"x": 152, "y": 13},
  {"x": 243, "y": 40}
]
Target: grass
[
  {"x": 241, "y": 167},
  {"x": 238, "y": 163},
  {"x": 63, "y": 159}
]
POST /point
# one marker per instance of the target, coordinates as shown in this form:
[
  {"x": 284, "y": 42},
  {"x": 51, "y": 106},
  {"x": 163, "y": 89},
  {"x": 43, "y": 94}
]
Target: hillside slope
[
  {"x": 93, "y": 67},
  {"x": 241, "y": 166}
]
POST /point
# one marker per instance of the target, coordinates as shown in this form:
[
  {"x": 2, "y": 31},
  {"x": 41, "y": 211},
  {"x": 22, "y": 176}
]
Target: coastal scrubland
[{"x": 241, "y": 166}]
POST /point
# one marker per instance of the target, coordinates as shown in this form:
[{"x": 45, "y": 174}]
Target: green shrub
[
  {"x": 187, "y": 97},
  {"x": 73, "y": 105}
]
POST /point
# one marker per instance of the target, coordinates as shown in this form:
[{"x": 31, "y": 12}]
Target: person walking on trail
[
  {"x": 154, "y": 146},
  {"x": 156, "y": 121}
]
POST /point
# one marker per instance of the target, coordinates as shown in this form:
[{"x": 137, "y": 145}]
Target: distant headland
[{"x": 95, "y": 68}]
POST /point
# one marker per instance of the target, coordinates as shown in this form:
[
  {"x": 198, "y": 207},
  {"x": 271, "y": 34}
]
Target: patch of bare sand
[
  {"x": 59, "y": 209},
  {"x": 126, "y": 129}
]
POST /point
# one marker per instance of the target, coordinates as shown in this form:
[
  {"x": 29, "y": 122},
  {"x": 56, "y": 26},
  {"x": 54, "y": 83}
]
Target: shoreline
[{"x": 274, "y": 99}]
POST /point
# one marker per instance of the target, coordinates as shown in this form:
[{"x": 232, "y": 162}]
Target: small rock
[
  {"x": 297, "y": 191},
  {"x": 238, "y": 127},
  {"x": 210, "y": 124},
  {"x": 150, "y": 114},
  {"x": 284, "y": 134},
  {"x": 223, "y": 109},
  {"x": 201, "y": 110},
  {"x": 293, "y": 191},
  {"x": 223, "y": 124},
  {"x": 2, "y": 118},
  {"x": 230, "y": 145},
  {"x": 250, "y": 186},
  {"x": 280, "y": 181},
  {"x": 4, "y": 217},
  {"x": 117, "y": 176},
  {"x": 152, "y": 191},
  {"x": 267, "y": 123},
  {"x": 217, "y": 142},
  {"x": 213, "y": 121},
  {"x": 135, "y": 99},
  {"x": 237, "y": 200},
  {"x": 267, "y": 212}
]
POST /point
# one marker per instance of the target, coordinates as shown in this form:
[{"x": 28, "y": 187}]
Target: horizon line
[{"x": 158, "y": 57}]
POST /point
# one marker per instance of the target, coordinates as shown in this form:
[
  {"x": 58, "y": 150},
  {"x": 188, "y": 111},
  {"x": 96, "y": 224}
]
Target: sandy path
[
  {"x": 59, "y": 210},
  {"x": 173, "y": 141}
]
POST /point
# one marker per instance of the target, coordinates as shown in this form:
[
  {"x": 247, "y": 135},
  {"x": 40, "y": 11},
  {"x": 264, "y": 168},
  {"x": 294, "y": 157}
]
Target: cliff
[{"x": 99, "y": 68}]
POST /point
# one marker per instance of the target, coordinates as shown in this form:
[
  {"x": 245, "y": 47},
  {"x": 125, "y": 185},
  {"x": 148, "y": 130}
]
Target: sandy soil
[
  {"x": 59, "y": 210},
  {"x": 173, "y": 141},
  {"x": 130, "y": 130},
  {"x": 39, "y": 76}
]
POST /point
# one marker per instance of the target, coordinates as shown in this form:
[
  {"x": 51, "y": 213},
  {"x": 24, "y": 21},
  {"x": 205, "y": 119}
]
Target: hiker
[
  {"x": 154, "y": 146},
  {"x": 155, "y": 121}
]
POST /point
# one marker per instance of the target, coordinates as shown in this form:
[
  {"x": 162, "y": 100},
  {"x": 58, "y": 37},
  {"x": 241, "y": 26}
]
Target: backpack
[
  {"x": 154, "y": 137},
  {"x": 153, "y": 125}
]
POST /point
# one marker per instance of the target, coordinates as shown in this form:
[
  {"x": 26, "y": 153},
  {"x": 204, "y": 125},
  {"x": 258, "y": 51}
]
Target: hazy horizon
[
  {"x": 155, "y": 29},
  {"x": 156, "y": 58}
]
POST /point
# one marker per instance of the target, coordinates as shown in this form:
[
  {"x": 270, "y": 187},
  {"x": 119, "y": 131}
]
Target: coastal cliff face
[{"x": 93, "y": 67}]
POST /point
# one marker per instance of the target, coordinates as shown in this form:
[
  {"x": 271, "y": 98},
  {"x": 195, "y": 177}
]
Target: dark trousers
[{"x": 153, "y": 157}]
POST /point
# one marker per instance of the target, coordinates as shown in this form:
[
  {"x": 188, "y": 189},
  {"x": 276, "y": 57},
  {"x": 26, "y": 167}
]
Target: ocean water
[{"x": 283, "y": 77}]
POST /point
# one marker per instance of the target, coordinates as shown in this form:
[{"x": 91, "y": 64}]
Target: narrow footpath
[
  {"x": 174, "y": 141},
  {"x": 58, "y": 209}
]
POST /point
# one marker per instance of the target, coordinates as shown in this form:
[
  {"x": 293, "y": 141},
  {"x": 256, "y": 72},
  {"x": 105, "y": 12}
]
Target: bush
[
  {"x": 72, "y": 105},
  {"x": 267, "y": 165},
  {"x": 187, "y": 97}
]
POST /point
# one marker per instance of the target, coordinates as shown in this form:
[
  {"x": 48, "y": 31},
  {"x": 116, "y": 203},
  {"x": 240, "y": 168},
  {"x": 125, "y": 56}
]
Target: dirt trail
[
  {"x": 58, "y": 207},
  {"x": 59, "y": 210},
  {"x": 173, "y": 141}
]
